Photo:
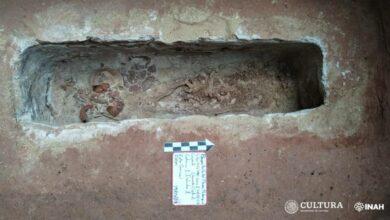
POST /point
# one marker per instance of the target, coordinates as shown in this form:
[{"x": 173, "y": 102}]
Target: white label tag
[{"x": 189, "y": 185}]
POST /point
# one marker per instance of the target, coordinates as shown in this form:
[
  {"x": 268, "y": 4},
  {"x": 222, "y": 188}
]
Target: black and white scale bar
[{"x": 204, "y": 145}]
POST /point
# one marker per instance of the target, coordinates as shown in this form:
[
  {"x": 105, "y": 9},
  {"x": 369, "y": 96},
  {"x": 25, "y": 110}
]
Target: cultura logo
[{"x": 291, "y": 206}]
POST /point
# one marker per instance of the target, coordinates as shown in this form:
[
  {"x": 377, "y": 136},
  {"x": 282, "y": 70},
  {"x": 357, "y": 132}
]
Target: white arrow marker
[{"x": 204, "y": 145}]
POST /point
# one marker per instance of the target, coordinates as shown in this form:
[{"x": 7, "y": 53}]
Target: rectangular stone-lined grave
[{"x": 72, "y": 82}]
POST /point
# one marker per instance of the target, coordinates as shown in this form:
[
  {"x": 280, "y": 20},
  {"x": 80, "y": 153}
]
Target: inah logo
[
  {"x": 359, "y": 206},
  {"x": 291, "y": 206}
]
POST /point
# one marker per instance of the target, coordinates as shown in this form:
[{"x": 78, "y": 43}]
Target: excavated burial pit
[{"x": 70, "y": 82}]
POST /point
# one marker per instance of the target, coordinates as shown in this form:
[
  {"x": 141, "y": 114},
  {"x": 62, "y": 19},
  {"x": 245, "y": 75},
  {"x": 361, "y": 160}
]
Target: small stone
[
  {"x": 115, "y": 108},
  {"x": 83, "y": 112},
  {"x": 101, "y": 88}
]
